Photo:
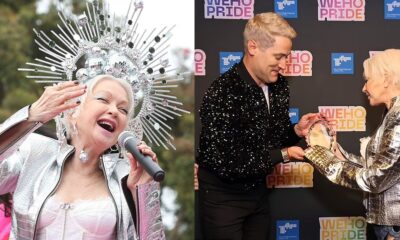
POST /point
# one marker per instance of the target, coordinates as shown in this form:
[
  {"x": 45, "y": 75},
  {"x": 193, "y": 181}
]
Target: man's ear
[{"x": 252, "y": 47}]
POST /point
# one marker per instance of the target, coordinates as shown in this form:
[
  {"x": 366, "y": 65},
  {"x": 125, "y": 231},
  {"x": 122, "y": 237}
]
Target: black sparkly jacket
[{"x": 240, "y": 140}]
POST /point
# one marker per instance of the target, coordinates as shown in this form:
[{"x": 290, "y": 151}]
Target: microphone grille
[{"x": 123, "y": 137}]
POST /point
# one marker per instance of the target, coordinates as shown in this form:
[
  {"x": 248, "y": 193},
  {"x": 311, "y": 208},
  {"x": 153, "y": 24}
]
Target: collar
[
  {"x": 64, "y": 150},
  {"x": 244, "y": 74},
  {"x": 393, "y": 101},
  {"x": 107, "y": 160}
]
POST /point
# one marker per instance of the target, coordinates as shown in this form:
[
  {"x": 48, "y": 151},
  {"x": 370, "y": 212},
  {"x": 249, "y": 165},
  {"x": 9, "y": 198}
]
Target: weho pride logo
[
  {"x": 199, "y": 62},
  {"x": 229, "y": 9},
  {"x": 337, "y": 228},
  {"x": 347, "y": 118},
  {"x": 291, "y": 175},
  {"x": 341, "y": 10},
  {"x": 299, "y": 63}
]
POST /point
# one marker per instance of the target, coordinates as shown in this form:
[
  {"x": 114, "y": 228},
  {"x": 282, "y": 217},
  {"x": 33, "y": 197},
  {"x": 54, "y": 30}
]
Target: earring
[{"x": 83, "y": 156}]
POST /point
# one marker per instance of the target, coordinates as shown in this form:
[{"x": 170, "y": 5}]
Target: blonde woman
[
  {"x": 378, "y": 173},
  {"x": 78, "y": 190}
]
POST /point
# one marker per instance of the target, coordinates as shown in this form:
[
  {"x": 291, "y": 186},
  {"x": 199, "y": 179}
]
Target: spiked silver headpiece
[{"x": 114, "y": 47}]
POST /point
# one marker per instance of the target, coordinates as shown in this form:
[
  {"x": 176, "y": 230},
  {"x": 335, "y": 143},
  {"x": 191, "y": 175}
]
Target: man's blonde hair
[{"x": 264, "y": 27}]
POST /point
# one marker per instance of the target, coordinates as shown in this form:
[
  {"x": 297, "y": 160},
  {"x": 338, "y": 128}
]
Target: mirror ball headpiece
[{"x": 114, "y": 47}]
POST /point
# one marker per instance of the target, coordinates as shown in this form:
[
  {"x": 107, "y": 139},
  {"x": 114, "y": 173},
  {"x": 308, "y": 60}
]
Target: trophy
[{"x": 320, "y": 134}]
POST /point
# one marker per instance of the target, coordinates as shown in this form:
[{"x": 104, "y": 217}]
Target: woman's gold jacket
[{"x": 377, "y": 175}]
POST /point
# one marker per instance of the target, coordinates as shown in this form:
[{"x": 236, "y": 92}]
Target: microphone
[{"x": 128, "y": 140}]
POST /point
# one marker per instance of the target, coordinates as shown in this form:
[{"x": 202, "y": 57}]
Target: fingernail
[
  {"x": 78, "y": 102},
  {"x": 76, "y": 82}
]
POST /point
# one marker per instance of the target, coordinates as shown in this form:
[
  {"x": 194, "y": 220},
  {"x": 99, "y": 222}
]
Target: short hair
[
  {"x": 384, "y": 63},
  {"x": 264, "y": 27},
  {"x": 91, "y": 84}
]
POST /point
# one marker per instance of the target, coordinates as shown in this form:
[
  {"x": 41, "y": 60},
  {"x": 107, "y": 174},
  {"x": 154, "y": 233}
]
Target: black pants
[{"x": 227, "y": 212}]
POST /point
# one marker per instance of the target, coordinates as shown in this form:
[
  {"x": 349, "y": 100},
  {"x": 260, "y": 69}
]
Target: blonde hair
[
  {"x": 384, "y": 63},
  {"x": 264, "y": 27},
  {"x": 91, "y": 84}
]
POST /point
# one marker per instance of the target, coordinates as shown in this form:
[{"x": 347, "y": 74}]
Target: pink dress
[
  {"x": 83, "y": 219},
  {"x": 5, "y": 224}
]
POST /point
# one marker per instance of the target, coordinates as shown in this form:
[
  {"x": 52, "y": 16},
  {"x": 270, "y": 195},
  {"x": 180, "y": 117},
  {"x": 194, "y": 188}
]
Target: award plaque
[{"x": 320, "y": 134}]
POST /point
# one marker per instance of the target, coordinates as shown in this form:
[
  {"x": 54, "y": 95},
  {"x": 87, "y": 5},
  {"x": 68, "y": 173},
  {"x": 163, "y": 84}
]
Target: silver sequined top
[
  {"x": 31, "y": 168},
  {"x": 378, "y": 175}
]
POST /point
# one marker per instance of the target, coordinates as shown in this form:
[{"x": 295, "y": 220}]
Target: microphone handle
[{"x": 147, "y": 163}]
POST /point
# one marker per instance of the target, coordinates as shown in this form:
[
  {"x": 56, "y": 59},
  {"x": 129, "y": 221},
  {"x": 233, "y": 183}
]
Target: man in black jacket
[{"x": 246, "y": 130}]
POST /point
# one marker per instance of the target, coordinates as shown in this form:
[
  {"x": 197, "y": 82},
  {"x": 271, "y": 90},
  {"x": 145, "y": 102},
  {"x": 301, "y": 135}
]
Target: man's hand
[
  {"x": 302, "y": 127},
  {"x": 295, "y": 153}
]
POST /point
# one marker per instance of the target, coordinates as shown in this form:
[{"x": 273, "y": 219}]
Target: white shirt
[
  {"x": 84, "y": 220},
  {"x": 265, "y": 90}
]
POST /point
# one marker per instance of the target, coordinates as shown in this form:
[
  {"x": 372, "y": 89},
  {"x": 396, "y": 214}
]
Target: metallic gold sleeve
[
  {"x": 359, "y": 160},
  {"x": 377, "y": 174},
  {"x": 336, "y": 170},
  {"x": 380, "y": 171}
]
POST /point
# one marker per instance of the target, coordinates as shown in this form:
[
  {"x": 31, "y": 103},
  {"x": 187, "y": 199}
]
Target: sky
[{"x": 158, "y": 13}]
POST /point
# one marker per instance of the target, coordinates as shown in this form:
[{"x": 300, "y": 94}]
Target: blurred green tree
[
  {"x": 15, "y": 44},
  {"x": 178, "y": 165},
  {"x": 18, "y": 98}
]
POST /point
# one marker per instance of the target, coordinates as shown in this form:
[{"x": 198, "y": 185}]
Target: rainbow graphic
[
  {"x": 347, "y": 118},
  {"x": 299, "y": 63},
  {"x": 338, "y": 228},
  {"x": 291, "y": 175},
  {"x": 229, "y": 9},
  {"x": 199, "y": 62},
  {"x": 341, "y": 10}
]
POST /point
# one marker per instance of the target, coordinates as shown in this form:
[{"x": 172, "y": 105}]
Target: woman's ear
[
  {"x": 73, "y": 116},
  {"x": 72, "y": 119},
  {"x": 388, "y": 80},
  {"x": 74, "y": 113}
]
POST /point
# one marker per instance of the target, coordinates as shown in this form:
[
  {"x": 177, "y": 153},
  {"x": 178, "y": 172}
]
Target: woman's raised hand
[
  {"x": 56, "y": 99},
  {"x": 138, "y": 175}
]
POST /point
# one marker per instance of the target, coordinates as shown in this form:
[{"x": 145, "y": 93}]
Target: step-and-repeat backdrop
[{"x": 325, "y": 75}]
